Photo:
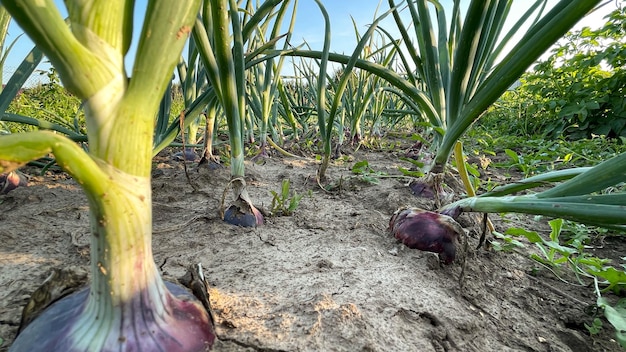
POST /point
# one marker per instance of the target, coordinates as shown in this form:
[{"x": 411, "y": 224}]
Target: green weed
[
  {"x": 560, "y": 252},
  {"x": 616, "y": 315},
  {"x": 415, "y": 170},
  {"x": 285, "y": 202},
  {"x": 366, "y": 173}
]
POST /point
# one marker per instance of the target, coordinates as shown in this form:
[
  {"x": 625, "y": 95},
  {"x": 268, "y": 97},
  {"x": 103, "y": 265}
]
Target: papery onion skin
[
  {"x": 186, "y": 326},
  {"x": 234, "y": 215},
  {"x": 426, "y": 231},
  {"x": 10, "y": 181}
]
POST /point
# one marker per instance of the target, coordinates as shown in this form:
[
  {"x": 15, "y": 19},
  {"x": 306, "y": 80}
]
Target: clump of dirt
[{"x": 328, "y": 278}]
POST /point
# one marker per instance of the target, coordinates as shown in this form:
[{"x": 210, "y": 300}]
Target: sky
[{"x": 309, "y": 26}]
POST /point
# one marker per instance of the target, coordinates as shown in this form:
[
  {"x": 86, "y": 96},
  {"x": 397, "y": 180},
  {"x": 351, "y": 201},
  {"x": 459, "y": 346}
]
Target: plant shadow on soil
[{"x": 328, "y": 278}]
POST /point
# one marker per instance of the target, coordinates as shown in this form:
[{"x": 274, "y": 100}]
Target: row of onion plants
[{"x": 231, "y": 74}]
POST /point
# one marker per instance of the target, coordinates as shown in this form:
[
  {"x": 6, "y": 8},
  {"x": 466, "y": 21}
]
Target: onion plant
[
  {"x": 286, "y": 110},
  {"x": 457, "y": 69},
  {"x": 127, "y": 305},
  {"x": 589, "y": 195},
  {"x": 264, "y": 77},
  {"x": 209, "y": 132},
  {"x": 298, "y": 95},
  {"x": 364, "y": 97},
  {"x": 369, "y": 99},
  {"x": 461, "y": 63},
  {"x": 327, "y": 119},
  {"x": 221, "y": 35},
  {"x": 193, "y": 82}
]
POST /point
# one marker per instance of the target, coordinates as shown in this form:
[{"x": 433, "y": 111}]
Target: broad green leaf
[
  {"x": 509, "y": 241},
  {"x": 472, "y": 170},
  {"x": 563, "y": 250},
  {"x": 532, "y": 236},
  {"x": 513, "y": 155},
  {"x": 617, "y": 317},
  {"x": 613, "y": 276},
  {"x": 360, "y": 167},
  {"x": 410, "y": 173},
  {"x": 370, "y": 179},
  {"x": 556, "y": 225}
]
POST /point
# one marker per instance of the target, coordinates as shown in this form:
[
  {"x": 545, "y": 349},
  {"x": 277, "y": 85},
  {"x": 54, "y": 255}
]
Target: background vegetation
[{"x": 577, "y": 92}]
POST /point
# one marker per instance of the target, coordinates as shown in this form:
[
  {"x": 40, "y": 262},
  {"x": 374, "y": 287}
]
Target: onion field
[{"x": 456, "y": 182}]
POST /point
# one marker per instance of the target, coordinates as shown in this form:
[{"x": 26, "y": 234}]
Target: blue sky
[{"x": 309, "y": 25}]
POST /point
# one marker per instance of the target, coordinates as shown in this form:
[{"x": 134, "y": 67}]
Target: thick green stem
[
  {"x": 321, "y": 172},
  {"x": 100, "y": 112},
  {"x": 121, "y": 228},
  {"x": 121, "y": 224},
  {"x": 229, "y": 99},
  {"x": 128, "y": 303},
  {"x": 82, "y": 71},
  {"x": 121, "y": 213}
]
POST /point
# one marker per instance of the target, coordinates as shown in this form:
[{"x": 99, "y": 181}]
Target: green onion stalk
[
  {"x": 587, "y": 195},
  {"x": 5, "y": 19},
  {"x": 365, "y": 96},
  {"x": 209, "y": 131},
  {"x": 222, "y": 54},
  {"x": 286, "y": 109},
  {"x": 326, "y": 121},
  {"x": 263, "y": 79},
  {"x": 464, "y": 66},
  {"x": 321, "y": 97},
  {"x": 212, "y": 38},
  {"x": 127, "y": 305},
  {"x": 193, "y": 82}
]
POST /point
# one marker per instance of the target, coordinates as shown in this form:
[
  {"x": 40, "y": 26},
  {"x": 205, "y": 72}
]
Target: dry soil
[{"x": 327, "y": 278}]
